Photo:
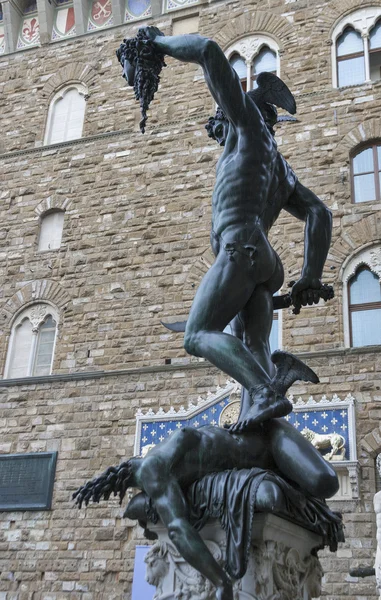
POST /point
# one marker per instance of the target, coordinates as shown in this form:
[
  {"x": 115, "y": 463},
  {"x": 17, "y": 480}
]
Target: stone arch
[
  {"x": 329, "y": 15},
  {"x": 364, "y": 132},
  {"x": 76, "y": 72},
  {"x": 365, "y": 232},
  {"x": 262, "y": 22},
  {"x": 371, "y": 442},
  {"x": 40, "y": 290},
  {"x": 52, "y": 203}
]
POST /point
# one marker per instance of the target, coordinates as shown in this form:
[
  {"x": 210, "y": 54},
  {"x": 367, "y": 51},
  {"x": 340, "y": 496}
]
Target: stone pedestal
[{"x": 280, "y": 567}]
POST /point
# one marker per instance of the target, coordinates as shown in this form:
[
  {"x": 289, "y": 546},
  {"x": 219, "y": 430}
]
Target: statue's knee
[
  {"x": 175, "y": 528},
  {"x": 191, "y": 343},
  {"x": 326, "y": 485}
]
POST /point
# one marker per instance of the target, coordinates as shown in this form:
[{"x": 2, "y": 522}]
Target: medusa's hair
[
  {"x": 115, "y": 480},
  {"x": 148, "y": 61}
]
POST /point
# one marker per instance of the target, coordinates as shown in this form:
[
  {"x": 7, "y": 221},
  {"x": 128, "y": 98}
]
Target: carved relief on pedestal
[
  {"x": 188, "y": 584},
  {"x": 274, "y": 572},
  {"x": 291, "y": 575}
]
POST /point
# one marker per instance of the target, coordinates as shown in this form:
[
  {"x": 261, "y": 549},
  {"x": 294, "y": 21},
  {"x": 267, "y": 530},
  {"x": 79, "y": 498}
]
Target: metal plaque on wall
[{"x": 26, "y": 481}]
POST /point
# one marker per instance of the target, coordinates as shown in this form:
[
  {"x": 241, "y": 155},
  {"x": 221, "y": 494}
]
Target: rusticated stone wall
[{"x": 135, "y": 245}]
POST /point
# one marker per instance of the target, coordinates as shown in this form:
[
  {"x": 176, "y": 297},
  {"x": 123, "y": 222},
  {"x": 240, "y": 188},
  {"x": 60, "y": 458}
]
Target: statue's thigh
[{"x": 224, "y": 290}]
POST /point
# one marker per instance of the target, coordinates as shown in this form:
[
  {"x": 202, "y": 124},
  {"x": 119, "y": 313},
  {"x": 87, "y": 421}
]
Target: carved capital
[
  {"x": 375, "y": 261},
  {"x": 37, "y": 316}
]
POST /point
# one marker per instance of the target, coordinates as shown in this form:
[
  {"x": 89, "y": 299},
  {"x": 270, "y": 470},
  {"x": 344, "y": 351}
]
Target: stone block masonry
[{"x": 135, "y": 246}]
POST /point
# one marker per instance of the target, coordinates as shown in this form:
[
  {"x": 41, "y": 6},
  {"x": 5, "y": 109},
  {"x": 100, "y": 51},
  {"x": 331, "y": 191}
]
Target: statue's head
[
  {"x": 218, "y": 127},
  {"x": 269, "y": 93}
]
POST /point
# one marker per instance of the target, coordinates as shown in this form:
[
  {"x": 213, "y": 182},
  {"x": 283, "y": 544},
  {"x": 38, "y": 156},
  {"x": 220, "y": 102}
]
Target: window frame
[
  {"x": 40, "y": 223},
  {"x": 348, "y": 56},
  {"x": 254, "y": 77},
  {"x": 362, "y": 307},
  {"x": 30, "y": 312},
  {"x": 362, "y": 20},
  {"x": 248, "y": 48},
  {"x": 278, "y": 316},
  {"x": 374, "y": 144},
  {"x": 59, "y": 95},
  {"x": 242, "y": 79},
  {"x": 369, "y": 257}
]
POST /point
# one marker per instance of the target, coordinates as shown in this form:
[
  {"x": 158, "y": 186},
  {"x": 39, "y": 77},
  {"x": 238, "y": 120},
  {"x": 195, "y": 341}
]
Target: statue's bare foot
[
  {"x": 267, "y": 404},
  {"x": 225, "y": 592}
]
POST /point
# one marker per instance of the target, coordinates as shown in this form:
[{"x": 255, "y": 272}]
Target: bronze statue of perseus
[
  {"x": 206, "y": 469},
  {"x": 253, "y": 184}
]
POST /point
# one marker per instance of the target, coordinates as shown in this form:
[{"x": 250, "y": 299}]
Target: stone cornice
[
  {"x": 191, "y": 366},
  {"x": 201, "y": 118}
]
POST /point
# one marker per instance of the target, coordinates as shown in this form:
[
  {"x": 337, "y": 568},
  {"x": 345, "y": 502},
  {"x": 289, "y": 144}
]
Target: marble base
[{"x": 280, "y": 566}]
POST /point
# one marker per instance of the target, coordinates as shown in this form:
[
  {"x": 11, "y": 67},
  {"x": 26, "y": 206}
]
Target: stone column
[
  {"x": 81, "y": 14},
  {"x": 45, "y": 19},
  {"x": 280, "y": 563},
  {"x": 12, "y": 22},
  {"x": 118, "y": 9},
  {"x": 157, "y": 8}
]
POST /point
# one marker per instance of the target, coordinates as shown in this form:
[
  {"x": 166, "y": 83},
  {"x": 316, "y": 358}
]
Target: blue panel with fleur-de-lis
[
  {"x": 324, "y": 421},
  {"x": 156, "y": 431}
]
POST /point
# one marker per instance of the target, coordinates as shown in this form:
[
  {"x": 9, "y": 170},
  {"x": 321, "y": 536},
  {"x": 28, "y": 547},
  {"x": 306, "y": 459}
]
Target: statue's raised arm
[{"x": 222, "y": 80}]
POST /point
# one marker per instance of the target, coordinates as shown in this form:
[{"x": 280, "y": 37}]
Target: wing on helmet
[{"x": 273, "y": 90}]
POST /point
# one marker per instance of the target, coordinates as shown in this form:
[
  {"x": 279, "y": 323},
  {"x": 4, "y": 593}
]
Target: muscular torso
[
  {"x": 253, "y": 183},
  {"x": 219, "y": 450}
]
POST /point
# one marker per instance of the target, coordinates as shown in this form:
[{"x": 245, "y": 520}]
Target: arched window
[
  {"x": 266, "y": 60},
  {"x": 66, "y": 115},
  {"x": 366, "y": 174},
  {"x": 51, "y": 229},
  {"x": 356, "y": 47},
  {"x": 31, "y": 345},
  {"x": 375, "y": 52},
  {"x": 252, "y": 56},
  {"x": 239, "y": 65},
  {"x": 365, "y": 308},
  {"x": 350, "y": 58}
]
